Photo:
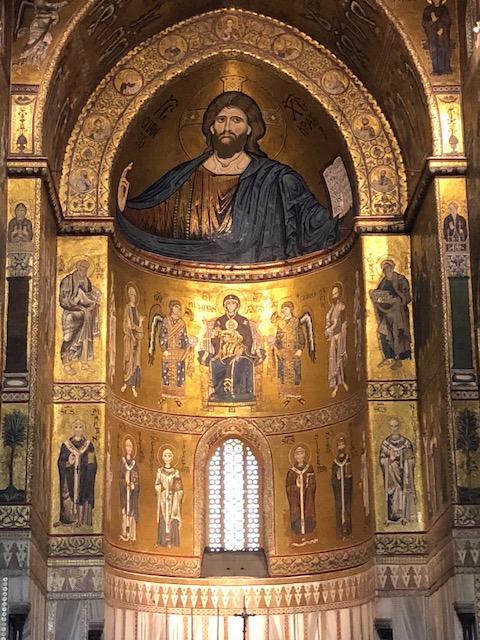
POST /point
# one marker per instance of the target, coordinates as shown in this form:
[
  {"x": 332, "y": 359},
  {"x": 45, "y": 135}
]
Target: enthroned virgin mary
[{"x": 230, "y": 204}]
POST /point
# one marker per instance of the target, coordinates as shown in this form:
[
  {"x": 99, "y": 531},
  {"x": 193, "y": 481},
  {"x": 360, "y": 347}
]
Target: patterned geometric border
[
  {"x": 75, "y": 546},
  {"x": 392, "y": 390},
  {"x": 14, "y": 516},
  {"x": 85, "y": 392},
  {"x": 401, "y": 544},
  {"x": 150, "y": 419},
  {"x": 225, "y": 599}
]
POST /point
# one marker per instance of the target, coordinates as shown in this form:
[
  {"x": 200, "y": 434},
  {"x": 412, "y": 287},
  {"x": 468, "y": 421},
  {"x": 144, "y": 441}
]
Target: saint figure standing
[
  {"x": 169, "y": 490},
  {"x": 342, "y": 490},
  {"x": 336, "y": 334},
  {"x": 301, "y": 487},
  {"x": 77, "y": 468},
  {"x": 132, "y": 341},
  {"x": 129, "y": 491},
  {"x": 437, "y": 23},
  {"x": 397, "y": 460}
]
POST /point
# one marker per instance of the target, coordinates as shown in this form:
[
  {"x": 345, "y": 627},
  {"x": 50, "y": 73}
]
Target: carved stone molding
[
  {"x": 321, "y": 562},
  {"x": 401, "y": 544},
  {"x": 273, "y": 596},
  {"x": 466, "y": 515},
  {"x": 434, "y": 167},
  {"x": 84, "y": 392},
  {"x": 75, "y": 546},
  {"x": 392, "y": 390},
  {"x": 150, "y": 564},
  {"x": 14, "y": 516},
  {"x": 148, "y": 418},
  {"x": 221, "y": 273}
]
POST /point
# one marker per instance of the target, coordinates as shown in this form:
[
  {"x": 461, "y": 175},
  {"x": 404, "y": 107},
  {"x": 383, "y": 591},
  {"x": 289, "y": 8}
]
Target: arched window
[{"x": 233, "y": 498}]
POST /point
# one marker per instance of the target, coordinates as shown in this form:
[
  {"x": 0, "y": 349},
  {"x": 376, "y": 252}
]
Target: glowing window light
[{"x": 233, "y": 498}]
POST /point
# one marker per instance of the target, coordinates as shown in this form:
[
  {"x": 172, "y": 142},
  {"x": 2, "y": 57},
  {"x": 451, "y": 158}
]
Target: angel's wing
[
  {"x": 258, "y": 341},
  {"x": 155, "y": 319},
  {"x": 307, "y": 324}
]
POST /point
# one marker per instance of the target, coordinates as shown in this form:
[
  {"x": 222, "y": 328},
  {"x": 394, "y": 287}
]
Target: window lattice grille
[{"x": 234, "y": 496}]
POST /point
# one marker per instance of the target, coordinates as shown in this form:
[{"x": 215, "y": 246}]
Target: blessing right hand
[{"x": 123, "y": 188}]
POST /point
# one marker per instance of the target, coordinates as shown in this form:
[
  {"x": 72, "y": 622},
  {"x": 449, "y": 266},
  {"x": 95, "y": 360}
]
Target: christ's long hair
[{"x": 249, "y": 107}]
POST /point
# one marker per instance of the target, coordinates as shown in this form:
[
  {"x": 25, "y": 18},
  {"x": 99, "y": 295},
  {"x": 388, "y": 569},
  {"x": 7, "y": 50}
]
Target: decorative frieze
[
  {"x": 403, "y": 544},
  {"x": 75, "y": 546},
  {"x": 271, "y": 425},
  {"x": 392, "y": 390},
  {"x": 84, "y": 392},
  {"x": 14, "y": 516},
  {"x": 276, "y": 597}
]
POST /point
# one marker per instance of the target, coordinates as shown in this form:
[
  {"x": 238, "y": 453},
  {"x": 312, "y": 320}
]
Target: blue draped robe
[{"x": 274, "y": 217}]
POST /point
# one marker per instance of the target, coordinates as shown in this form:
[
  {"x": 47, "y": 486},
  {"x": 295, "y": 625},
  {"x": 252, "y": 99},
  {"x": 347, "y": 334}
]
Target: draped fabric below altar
[{"x": 341, "y": 624}]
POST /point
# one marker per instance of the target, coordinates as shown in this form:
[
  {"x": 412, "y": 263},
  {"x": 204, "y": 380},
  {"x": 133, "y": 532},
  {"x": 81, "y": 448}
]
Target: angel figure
[
  {"x": 292, "y": 335},
  {"x": 170, "y": 332},
  {"x": 336, "y": 334},
  {"x": 46, "y": 16}
]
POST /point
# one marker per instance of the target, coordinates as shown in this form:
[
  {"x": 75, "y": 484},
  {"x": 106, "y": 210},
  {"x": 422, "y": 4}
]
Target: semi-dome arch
[{"x": 150, "y": 67}]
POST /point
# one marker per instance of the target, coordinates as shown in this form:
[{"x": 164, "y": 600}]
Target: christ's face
[
  {"x": 230, "y": 130},
  {"x": 299, "y": 456},
  {"x": 167, "y": 457},
  {"x": 132, "y": 295}
]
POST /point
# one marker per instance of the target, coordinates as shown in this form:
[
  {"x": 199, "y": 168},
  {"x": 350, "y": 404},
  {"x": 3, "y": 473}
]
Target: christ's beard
[{"x": 228, "y": 147}]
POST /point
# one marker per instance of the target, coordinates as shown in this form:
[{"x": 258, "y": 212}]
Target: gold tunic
[{"x": 201, "y": 208}]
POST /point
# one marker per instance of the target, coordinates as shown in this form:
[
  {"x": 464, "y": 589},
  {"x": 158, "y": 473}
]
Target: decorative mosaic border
[
  {"x": 271, "y": 425},
  {"x": 262, "y": 596},
  {"x": 75, "y": 546},
  {"x": 84, "y": 392},
  {"x": 392, "y": 390}
]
